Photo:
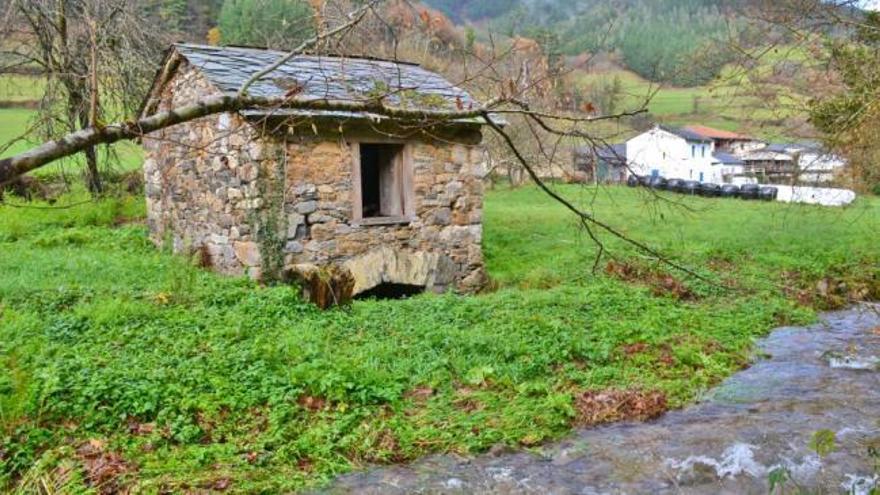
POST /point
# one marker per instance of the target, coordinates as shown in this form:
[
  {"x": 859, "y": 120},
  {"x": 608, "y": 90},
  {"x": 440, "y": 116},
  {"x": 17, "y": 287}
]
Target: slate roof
[
  {"x": 727, "y": 158},
  {"x": 686, "y": 134},
  {"x": 327, "y": 77},
  {"x": 779, "y": 147},
  {"x": 609, "y": 153},
  {"x": 612, "y": 153},
  {"x": 794, "y": 147}
]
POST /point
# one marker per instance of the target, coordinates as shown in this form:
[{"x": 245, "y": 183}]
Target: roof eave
[{"x": 170, "y": 62}]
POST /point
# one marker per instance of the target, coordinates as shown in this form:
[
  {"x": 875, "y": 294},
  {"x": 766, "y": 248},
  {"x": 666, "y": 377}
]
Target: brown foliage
[
  {"x": 104, "y": 470},
  {"x": 27, "y": 188},
  {"x": 661, "y": 284},
  {"x": 634, "y": 349},
  {"x": 604, "y": 406},
  {"x": 311, "y": 403},
  {"x": 325, "y": 287},
  {"x": 420, "y": 394}
]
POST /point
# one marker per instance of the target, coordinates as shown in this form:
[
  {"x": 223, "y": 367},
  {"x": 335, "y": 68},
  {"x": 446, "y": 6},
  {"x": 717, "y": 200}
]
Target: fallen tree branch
[{"x": 75, "y": 142}]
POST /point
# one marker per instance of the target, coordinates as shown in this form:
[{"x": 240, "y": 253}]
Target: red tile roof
[{"x": 715, "y": 133}]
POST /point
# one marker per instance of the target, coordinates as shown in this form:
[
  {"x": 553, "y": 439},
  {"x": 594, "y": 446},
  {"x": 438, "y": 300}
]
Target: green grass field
[
  {"x": 186, "y": 380},
  {"x": 16, "y": 122},
  {"x": 732, "y": 102},
  {"x": 20, "y": 88}
]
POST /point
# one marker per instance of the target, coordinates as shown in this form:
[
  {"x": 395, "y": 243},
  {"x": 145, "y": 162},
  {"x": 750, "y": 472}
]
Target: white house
[
  {"x": 709, "y": 155},
  {"x": 814, "y": 164},
  {"x": 786, "y": 163},
  {"x": 731, "y": 168},
  {"x": 674, "y": 153}
]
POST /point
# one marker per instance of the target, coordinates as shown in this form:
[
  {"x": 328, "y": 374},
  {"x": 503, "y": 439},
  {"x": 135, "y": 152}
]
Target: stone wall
[
  {"x": 202, "y": 180},
  {"x": 257, "y": 200},
  {"x": 440, "y": 247}
]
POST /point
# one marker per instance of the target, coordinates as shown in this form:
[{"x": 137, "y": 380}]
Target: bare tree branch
[{"x": 354, "y": 19}]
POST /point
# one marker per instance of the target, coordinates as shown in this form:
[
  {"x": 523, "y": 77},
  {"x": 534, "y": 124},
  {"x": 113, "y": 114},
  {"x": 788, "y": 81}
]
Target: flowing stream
[{"x": 756, "y": 426}]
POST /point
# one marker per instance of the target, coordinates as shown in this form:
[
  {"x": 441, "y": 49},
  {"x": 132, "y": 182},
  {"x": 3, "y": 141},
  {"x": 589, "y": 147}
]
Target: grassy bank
[
  {"x": 732, "y": 102},
  {"x": 176, "y": 378}
]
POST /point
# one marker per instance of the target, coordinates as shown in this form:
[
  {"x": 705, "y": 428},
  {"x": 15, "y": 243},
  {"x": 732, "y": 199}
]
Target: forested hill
[
  {"x": 662, "y": 40},
  {"x": 682, "y": 42}
]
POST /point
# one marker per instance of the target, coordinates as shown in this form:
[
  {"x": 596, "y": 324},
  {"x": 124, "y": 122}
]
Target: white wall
[
  {"x": 819, "y": 167},
  {"x": 815, "y": 195},
  {"x": 671, "y": 156}
]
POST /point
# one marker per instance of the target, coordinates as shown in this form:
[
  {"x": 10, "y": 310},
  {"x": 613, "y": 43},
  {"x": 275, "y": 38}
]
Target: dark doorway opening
[
  {"x": 381, "y": 191},
  {"x": 391, "y": 291}
]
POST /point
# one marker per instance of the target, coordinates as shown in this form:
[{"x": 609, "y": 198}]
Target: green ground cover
[{"x": 183, "y": 379}]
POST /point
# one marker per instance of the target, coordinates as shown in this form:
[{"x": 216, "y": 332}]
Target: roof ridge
[
  {"x": 684, "y": 133},
  {"x": 264, "y": 49},
  {"x": 714, "y": 132}
]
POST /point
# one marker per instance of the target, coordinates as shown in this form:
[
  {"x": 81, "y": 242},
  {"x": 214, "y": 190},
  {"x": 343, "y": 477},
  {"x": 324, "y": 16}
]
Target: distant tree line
[
  {"x": 682, "y": 42},
  {"x": 239, "y": 22}
]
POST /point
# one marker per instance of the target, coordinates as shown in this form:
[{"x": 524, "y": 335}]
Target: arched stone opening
[
  {"x": 400, "y": 271},
  {"x": 391, "y": 291}
]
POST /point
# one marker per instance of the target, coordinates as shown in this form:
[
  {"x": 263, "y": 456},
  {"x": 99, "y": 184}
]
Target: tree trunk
[
  {"x": 93, "y": 176},
  {"x": 76, "y": 108}
]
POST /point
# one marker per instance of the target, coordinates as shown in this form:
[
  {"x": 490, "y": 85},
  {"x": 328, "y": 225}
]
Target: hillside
[{"x": 683, "y": 42}]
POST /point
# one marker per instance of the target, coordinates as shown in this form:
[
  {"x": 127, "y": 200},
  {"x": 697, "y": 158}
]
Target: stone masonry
[{"x": 256, "y": 196}]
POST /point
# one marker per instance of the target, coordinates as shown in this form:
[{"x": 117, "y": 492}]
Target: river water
[{"x": 755, "y": 426}]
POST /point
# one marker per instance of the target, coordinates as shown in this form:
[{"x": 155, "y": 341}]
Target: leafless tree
[{"x": 96, "y": 56}]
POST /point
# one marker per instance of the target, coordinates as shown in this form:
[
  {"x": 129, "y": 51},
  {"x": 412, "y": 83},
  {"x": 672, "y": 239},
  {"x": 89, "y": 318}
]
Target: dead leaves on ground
[
  {"x": 661, "y": 284},
  {"x": 105, "y": 470},
  {"x": 595, "y": 407}
]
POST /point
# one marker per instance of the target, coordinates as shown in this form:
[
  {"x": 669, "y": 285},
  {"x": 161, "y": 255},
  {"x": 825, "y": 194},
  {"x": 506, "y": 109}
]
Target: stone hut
[{"x": 392, "y": 205}]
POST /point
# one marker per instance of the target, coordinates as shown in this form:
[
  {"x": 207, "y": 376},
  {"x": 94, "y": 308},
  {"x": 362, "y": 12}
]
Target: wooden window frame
[{"x": 404, "y": 171}]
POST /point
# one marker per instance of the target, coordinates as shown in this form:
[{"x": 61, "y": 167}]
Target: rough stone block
[{"x": 248, "y": 253}]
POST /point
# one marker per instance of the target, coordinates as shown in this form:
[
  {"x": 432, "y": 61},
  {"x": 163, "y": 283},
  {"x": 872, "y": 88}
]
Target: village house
[
  {"x": 705, "y": 154},
  {"x": 771, "y": 164},
  {"x": 804, "y": 163},
  {"x": 673, "y": 153},
  {"x": 396, "y": 206},
  {"x": 603, "y": 165},
  {"x": 727, "y": 141}
]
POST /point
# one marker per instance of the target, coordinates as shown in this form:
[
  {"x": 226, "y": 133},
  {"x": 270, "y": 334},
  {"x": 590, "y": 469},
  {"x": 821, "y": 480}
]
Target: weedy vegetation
[{"x": 122, "y": 365}]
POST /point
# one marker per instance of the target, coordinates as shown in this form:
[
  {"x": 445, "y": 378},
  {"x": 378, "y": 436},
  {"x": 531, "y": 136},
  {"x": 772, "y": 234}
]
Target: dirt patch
[
  {"x": 635, "y": 349},
  {"x": 28, "y": 188},
  {"x": 831, "y": 292},
  {"x": 104, "y": 470},
  {"x": 312, "y": 403},
  {"x": 660, "y": 283},
  {"x": 604, "y": 406},
  {"x": 419, "y": 394},
  {"x": 138, "y": 429}
]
